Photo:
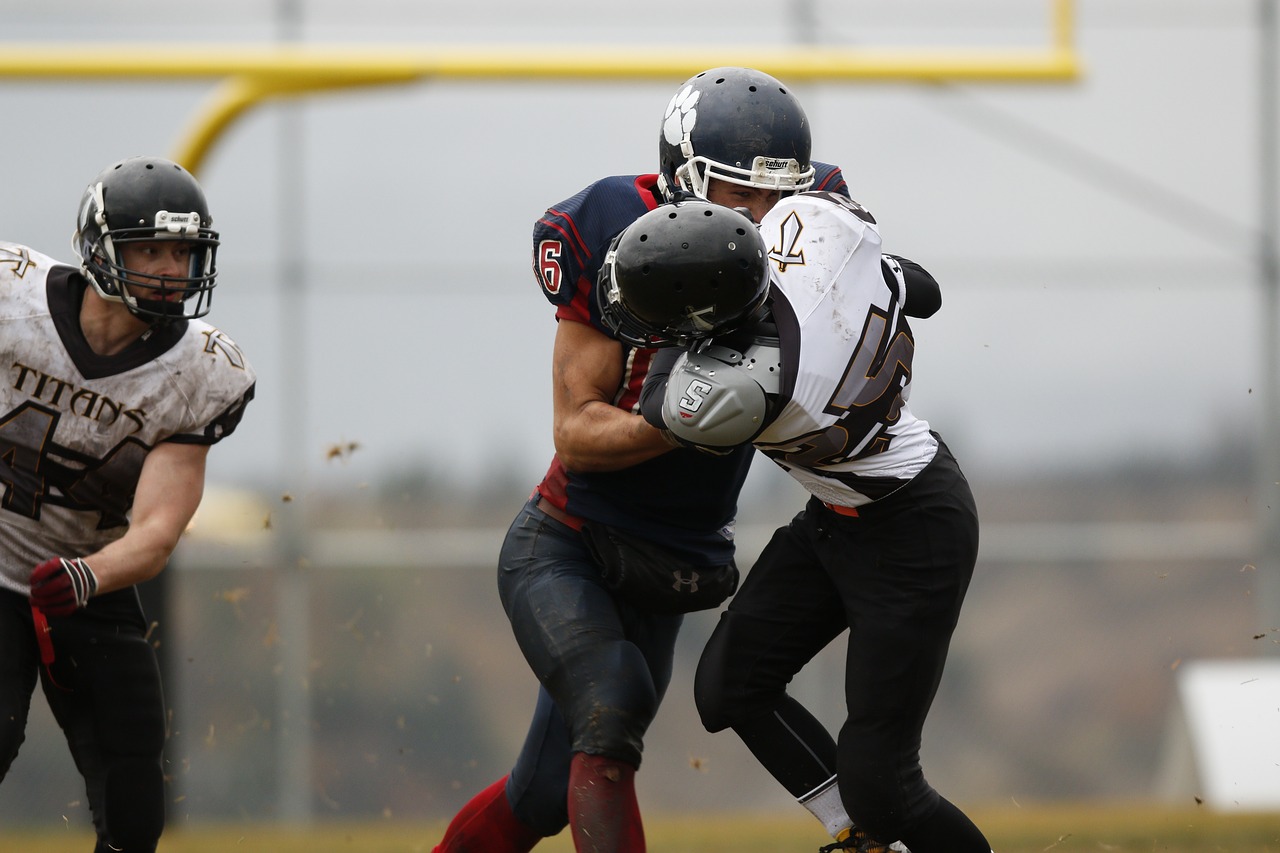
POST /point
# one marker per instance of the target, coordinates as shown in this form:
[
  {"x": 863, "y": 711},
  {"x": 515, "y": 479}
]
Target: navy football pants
[{"x": 604, "y": 666}]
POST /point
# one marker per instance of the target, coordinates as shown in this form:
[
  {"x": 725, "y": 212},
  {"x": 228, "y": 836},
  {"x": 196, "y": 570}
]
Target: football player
[
  {"x": 114, "y": 390},
  {"x": 602, "y": 655},
  {"x": 796, "y": 339}
]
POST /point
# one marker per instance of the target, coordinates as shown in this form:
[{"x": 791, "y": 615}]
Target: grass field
[{"x": 1061, "y": 829}]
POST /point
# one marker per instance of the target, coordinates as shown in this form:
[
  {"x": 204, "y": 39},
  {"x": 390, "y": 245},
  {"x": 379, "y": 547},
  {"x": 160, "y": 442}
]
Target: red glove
[{"x": 60, "y": 586}]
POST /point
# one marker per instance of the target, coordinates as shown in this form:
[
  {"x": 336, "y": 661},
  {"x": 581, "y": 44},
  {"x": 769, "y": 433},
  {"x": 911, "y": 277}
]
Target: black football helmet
[
  {"x": 682, "y": 272},
  {"x": 142, "y": 199},
  {"x": 737, "y": 125}
]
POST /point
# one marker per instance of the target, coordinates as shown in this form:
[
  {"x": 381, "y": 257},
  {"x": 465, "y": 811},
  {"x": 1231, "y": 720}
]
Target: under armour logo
[{"x": 685, "y": 584}]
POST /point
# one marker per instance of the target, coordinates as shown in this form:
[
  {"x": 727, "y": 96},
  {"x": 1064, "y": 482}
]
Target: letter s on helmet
[
  {"x": 682, "y": 272},
  {"x": 737, "y": 125},
  {"x": 143, "y": 199}
]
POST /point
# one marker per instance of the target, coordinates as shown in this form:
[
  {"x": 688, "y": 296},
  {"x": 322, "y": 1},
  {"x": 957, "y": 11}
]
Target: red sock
[
  {"x": 603, "y": 812},
  {"x": 486, "y": 825}
]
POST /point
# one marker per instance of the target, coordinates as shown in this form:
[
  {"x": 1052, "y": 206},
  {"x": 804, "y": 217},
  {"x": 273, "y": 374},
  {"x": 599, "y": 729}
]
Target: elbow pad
[{"x": 717, "y": 397}]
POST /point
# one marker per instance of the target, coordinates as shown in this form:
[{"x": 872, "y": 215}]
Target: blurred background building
[{"x": 1103, "y": 366}]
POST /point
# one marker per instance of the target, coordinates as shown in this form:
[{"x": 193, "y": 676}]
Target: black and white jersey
[
  {"x": 75, "y": 426},
  {"x": 845, "y": 431},
  {"x": 570, "y": 242}
]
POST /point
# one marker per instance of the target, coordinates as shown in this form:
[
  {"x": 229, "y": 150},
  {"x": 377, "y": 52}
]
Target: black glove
[{"x": 60, "y": 586}]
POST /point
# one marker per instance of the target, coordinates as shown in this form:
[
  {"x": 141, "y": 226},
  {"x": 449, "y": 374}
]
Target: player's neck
[{"x": 108, "y": 327}]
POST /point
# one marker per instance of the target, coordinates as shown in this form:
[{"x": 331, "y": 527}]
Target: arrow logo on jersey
[
  {"x": 786, "y": 254},
  {"x": 18, "y": 258},
  {"x": 788, "y": 236},
  {"x": 216, "y": 342}
]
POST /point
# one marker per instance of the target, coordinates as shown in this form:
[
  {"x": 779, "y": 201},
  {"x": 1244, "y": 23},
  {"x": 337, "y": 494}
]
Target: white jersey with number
[
  {"x": 75, "y": 426},
  {"x": 845, "y": 431}
]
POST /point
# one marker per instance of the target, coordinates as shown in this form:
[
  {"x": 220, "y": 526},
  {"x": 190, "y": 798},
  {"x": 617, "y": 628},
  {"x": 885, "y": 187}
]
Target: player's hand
[{"x": 60, "y": 586}]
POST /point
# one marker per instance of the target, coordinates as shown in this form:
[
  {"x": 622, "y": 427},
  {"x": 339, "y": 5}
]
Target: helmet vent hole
[{"x": 751, "y": 88}]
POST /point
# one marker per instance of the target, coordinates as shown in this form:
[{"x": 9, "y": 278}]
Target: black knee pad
[
  {"x": 709, "y": 687},
  {"x": 133, "y": 804},
  {"x": 612, "y": 701},
  {"x": 719, "y": 687}
]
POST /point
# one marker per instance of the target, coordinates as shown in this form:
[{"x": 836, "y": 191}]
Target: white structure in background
[{"x": 1225, "y": 743}]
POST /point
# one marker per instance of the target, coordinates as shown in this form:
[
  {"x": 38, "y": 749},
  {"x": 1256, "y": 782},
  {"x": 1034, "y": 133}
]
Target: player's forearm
[
  {"x": 601, "y": 437},
  {"x": 137, "y": 556}
]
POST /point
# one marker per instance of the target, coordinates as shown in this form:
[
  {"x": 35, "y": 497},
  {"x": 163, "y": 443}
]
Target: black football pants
[
  {"x": 895, "y": 577},
  {"x": 103, "y": 688}
]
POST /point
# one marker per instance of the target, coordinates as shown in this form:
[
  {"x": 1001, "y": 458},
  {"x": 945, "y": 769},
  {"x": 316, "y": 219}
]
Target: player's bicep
[
  {"x": 591, "y": 433},
  {"x": 586, "y": 369},
  {"x": 169, "y": 489}
]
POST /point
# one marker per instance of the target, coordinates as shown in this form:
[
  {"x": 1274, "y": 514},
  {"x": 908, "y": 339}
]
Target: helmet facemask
[
  {"x": 736, "y": 125},
  {"x": 783, "y": 176},
  {"x": 131, "y": 204}
]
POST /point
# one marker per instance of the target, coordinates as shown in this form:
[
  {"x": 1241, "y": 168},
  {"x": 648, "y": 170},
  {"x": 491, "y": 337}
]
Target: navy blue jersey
[{"x": 685, "y": 499}]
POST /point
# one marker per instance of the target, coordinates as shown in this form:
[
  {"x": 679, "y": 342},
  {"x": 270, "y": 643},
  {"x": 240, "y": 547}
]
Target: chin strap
[{"x": 673, "y": 192}]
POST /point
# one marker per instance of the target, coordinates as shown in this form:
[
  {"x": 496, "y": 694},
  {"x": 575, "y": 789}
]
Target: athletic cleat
[{"x": 860, "y": 842}]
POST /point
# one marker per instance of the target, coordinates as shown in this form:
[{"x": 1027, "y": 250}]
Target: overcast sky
[{"x": 1094, "y": 240}]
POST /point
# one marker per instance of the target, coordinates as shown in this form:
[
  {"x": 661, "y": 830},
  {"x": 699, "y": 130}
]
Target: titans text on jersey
[{"x": 75, "y": 426}]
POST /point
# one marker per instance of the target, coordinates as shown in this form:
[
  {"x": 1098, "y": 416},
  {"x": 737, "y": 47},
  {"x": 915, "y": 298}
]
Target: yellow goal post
[{"x": 251, "y": 74}]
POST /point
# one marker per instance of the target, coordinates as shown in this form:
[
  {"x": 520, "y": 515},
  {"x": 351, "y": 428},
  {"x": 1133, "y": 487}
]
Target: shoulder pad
[
  {"x": 762, "y": 361},
  {"x": 713, "y": 399},
  {"x": 570, "y": 238}
]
